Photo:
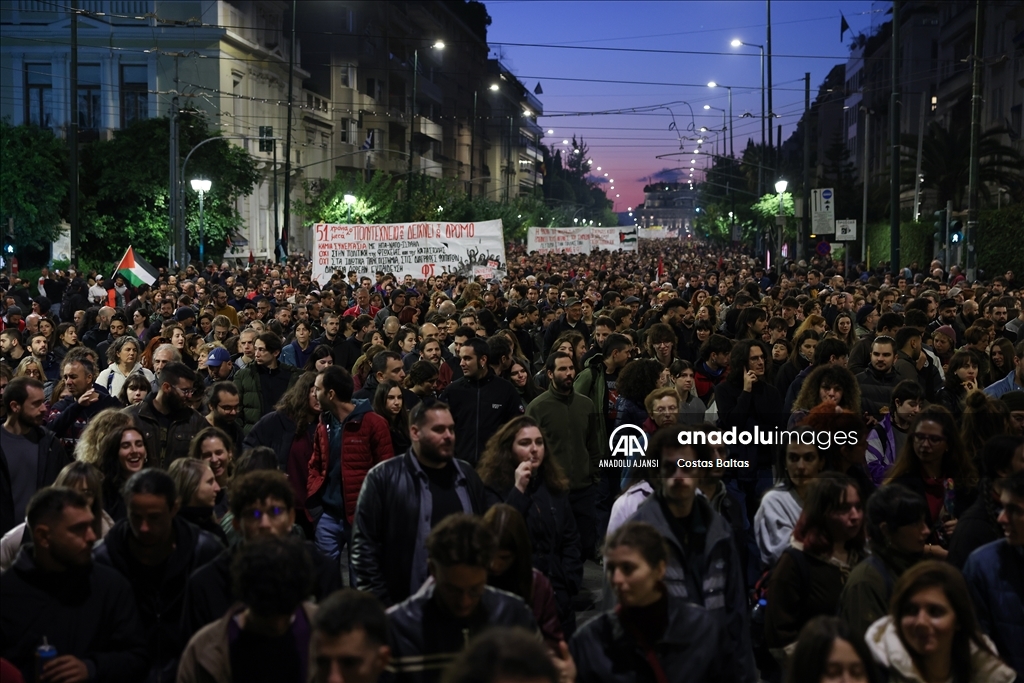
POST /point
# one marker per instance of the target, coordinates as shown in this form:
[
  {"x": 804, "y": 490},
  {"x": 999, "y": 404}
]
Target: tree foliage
[
  {"x": 946, "y": 164},
  {"x": 125, "y": 189},
  {"x": 34, "y": 178}
]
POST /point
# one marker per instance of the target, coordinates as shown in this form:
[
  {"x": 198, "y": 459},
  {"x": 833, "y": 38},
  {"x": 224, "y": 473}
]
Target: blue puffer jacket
[{"x": 995, "y": 576}]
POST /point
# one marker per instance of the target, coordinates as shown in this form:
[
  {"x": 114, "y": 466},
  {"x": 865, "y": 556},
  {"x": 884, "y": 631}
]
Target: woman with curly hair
[
  {"x": 636, "y": 381},
  {"x": 517, "y": 470},
  {"x": 826, "y": 384},
  {"x": 125, "y": 358},
  {"x": 934, "y": 463}
]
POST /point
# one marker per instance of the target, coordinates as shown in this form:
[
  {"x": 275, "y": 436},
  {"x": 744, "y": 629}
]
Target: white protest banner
[
  {"x": 658, "y": 232},
  {"x": 576, "y": 240},
  {"x": 417, "y": 249}
]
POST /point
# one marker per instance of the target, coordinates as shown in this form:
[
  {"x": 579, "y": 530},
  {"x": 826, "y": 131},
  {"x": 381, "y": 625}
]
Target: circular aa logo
[{"x": 628, "y": 441}]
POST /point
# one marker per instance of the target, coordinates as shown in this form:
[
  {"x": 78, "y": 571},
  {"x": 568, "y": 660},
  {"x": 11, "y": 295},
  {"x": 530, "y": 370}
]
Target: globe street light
[
  {"x": 350, "y": 199},
  {"x": 712, "y": 84},
  {"x": 780, "y": 187},
  {"x": 201, "y": 186}
]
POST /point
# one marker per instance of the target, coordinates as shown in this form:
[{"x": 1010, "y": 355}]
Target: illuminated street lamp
[
  {"x": 201, "y": 186},
  {"x": 350, "y": 199}
]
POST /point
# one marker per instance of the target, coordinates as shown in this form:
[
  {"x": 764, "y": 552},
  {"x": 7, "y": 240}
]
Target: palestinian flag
[{"x": 135, "y": 269}]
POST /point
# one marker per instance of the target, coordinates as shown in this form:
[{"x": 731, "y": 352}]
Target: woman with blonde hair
[
  {"x": 813, "y": 322},
  {"x": 29, "y": 367},
  {"x": 197, "y": 494},
  {"x": 105, "y": 422}
]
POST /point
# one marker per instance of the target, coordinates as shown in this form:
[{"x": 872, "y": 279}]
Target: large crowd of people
[{"x": 244, "y": 474}]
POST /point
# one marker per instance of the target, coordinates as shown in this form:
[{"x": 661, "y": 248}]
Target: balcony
[
  {"x": 421, "y": 125},
  {"x": 429, "y": 167}
]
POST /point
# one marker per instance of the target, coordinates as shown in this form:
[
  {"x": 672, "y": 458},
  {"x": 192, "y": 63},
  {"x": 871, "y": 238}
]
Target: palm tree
[{"x": 946, "y": 163}]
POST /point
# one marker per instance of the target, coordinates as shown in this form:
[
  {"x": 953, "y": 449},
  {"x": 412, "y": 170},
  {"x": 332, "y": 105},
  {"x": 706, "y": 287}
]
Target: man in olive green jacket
[{"x": 570, "y": 424}]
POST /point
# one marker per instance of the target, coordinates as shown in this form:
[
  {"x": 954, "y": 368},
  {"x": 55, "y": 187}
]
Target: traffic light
[
  {"x": 956, "y": 232},
  {"x": 940, "y": 225},
  {"x": 267, "y": 138}
]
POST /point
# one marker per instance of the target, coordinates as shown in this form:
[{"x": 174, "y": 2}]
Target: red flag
[
  {"x": 661, "y": 267},
  {"x": 252, "y": 259}
]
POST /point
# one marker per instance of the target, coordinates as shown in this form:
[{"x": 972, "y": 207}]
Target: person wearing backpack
[
  {"x": 898, "y": 532},
  {"x": 828, "y": 542}
]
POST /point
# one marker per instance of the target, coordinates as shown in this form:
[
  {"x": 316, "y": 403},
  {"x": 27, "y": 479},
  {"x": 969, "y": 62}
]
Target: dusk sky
[{"x": 805, "y": 37}]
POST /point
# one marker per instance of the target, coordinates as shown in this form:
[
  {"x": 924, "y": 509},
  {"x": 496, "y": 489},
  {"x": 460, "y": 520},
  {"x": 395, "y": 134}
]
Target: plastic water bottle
[
  {"x": 45, "y": 654},
  {"x": 757, "y": 618}
]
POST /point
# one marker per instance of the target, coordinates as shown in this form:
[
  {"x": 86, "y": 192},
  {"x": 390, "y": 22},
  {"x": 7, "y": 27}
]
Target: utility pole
[
  {"x": 769, "y": 114},
  {"x": 73, "y": 139},
  {"x": 803, "y": 226},
  {"x": 920, "y": 150},
  {"x": 472, "y": 147},
  {"x": 970, "y": 232},
  {"x": 894, "y": 146},
  {"x": 864, "y": 181},
  {"x": 283, "y": 238}
]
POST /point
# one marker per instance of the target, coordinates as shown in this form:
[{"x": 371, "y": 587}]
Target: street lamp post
[
  {"x": 438, "y": 45},
  {"x": 201, "y": 186},
  {"x": 780, "y": 187},
  {"x": 737, "y": 43},
  {"x": 725, "y": 127},
  {"x": 350, "y": 199},
  {"x": 712, "y": 84}
]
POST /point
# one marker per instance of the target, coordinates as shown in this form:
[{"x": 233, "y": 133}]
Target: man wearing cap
[
  {"x": 13, "y": 320},
  {"x": 633, "y": 303},
  {"x": 1014, "y": 380},
  {"x": 867, "y": 319},
  {"x": 186, "y": 317},
  {"x": 398, "y": 300},
  {"x": 97, "y": 292},
  {"x": 219, "y": 366},
  {"x": 572, "y": 319}
]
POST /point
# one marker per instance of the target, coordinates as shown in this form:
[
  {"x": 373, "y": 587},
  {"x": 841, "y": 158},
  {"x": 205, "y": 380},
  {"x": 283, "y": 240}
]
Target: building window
[
  {"x": 89, "y": 97},
  {"x": 935, "y": 102},
  {"x": 345, "y": 135},
  {"x": 39, "y": 95},
  {"x": 134, "y": 94}
]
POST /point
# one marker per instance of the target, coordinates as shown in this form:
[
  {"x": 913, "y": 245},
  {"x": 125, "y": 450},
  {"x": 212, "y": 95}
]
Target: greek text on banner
[{"x": 417, "y": 249}]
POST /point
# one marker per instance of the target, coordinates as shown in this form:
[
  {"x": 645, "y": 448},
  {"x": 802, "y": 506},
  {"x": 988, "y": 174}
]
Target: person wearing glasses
[
  {"x": 935, "y": 464},
  {"x": 156, "y": 551},
  {"x": 262, "y": 506},
  {"x": 167, "y": 421}
]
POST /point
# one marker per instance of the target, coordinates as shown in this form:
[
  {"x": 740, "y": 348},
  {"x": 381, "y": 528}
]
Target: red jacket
[
  {"x": 355, "y": 311},
  {"x": 365, "y": 441}
]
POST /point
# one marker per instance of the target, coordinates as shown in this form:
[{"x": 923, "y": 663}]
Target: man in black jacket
[
  {"x": 262, "y": 506},
  {"x": 480, "y": 401},
  {"x": 157, "y": 552},
  {"x": 403, "y": 498},
  {"x": 31, "y": 456},
  {"x": 55, "y": 594},
  {"x": 878, "y": 381},
  {"x": 69, "y": 416},
  {"x": 572, "y": 319},
  {"x": 431, "y": 628},
  {"x": 168, "y": 422}
]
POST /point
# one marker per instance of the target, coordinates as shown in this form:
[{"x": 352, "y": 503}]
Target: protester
[
  {"x": 897, "y": 533},
  {"x": 932, "y": 632},
  {"x": 262, "y": 506},
  {"x": 56, "y": 596},
  {"x": 32, "y": 456},
  {"x": 266, "y": 635},
  {"x": 403, "y": 498},
  {"x": 262, "y": 384},
  {"x": 453, "y": 605},
  {"x": 389, "y": 403},
  {"x": 197, "y": 494},
  {"x": 156, "y": 551},
  {"x": 827, "y": 651},
  {"x": 350, "y": 639},
  {"x": 797, "y": 467},
  {"x": 69, "y": 416},
  {"x": 511, "y": 570},
  {"x": 652, "y": 632},
  {"x": 827, "y": 542},
  {"x": 516, "y": 470},
  {"x": 167, "y": 421},
  {"x": 995, "y": 576}
]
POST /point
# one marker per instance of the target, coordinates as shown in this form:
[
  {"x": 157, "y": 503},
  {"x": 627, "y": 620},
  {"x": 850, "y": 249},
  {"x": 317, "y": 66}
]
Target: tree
[
  {"x": 125, "y": 189},
  {"x": 34, "y": 177},
  {"x": 946, "y": 163},
  {"x": 767, "y": 207}
]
